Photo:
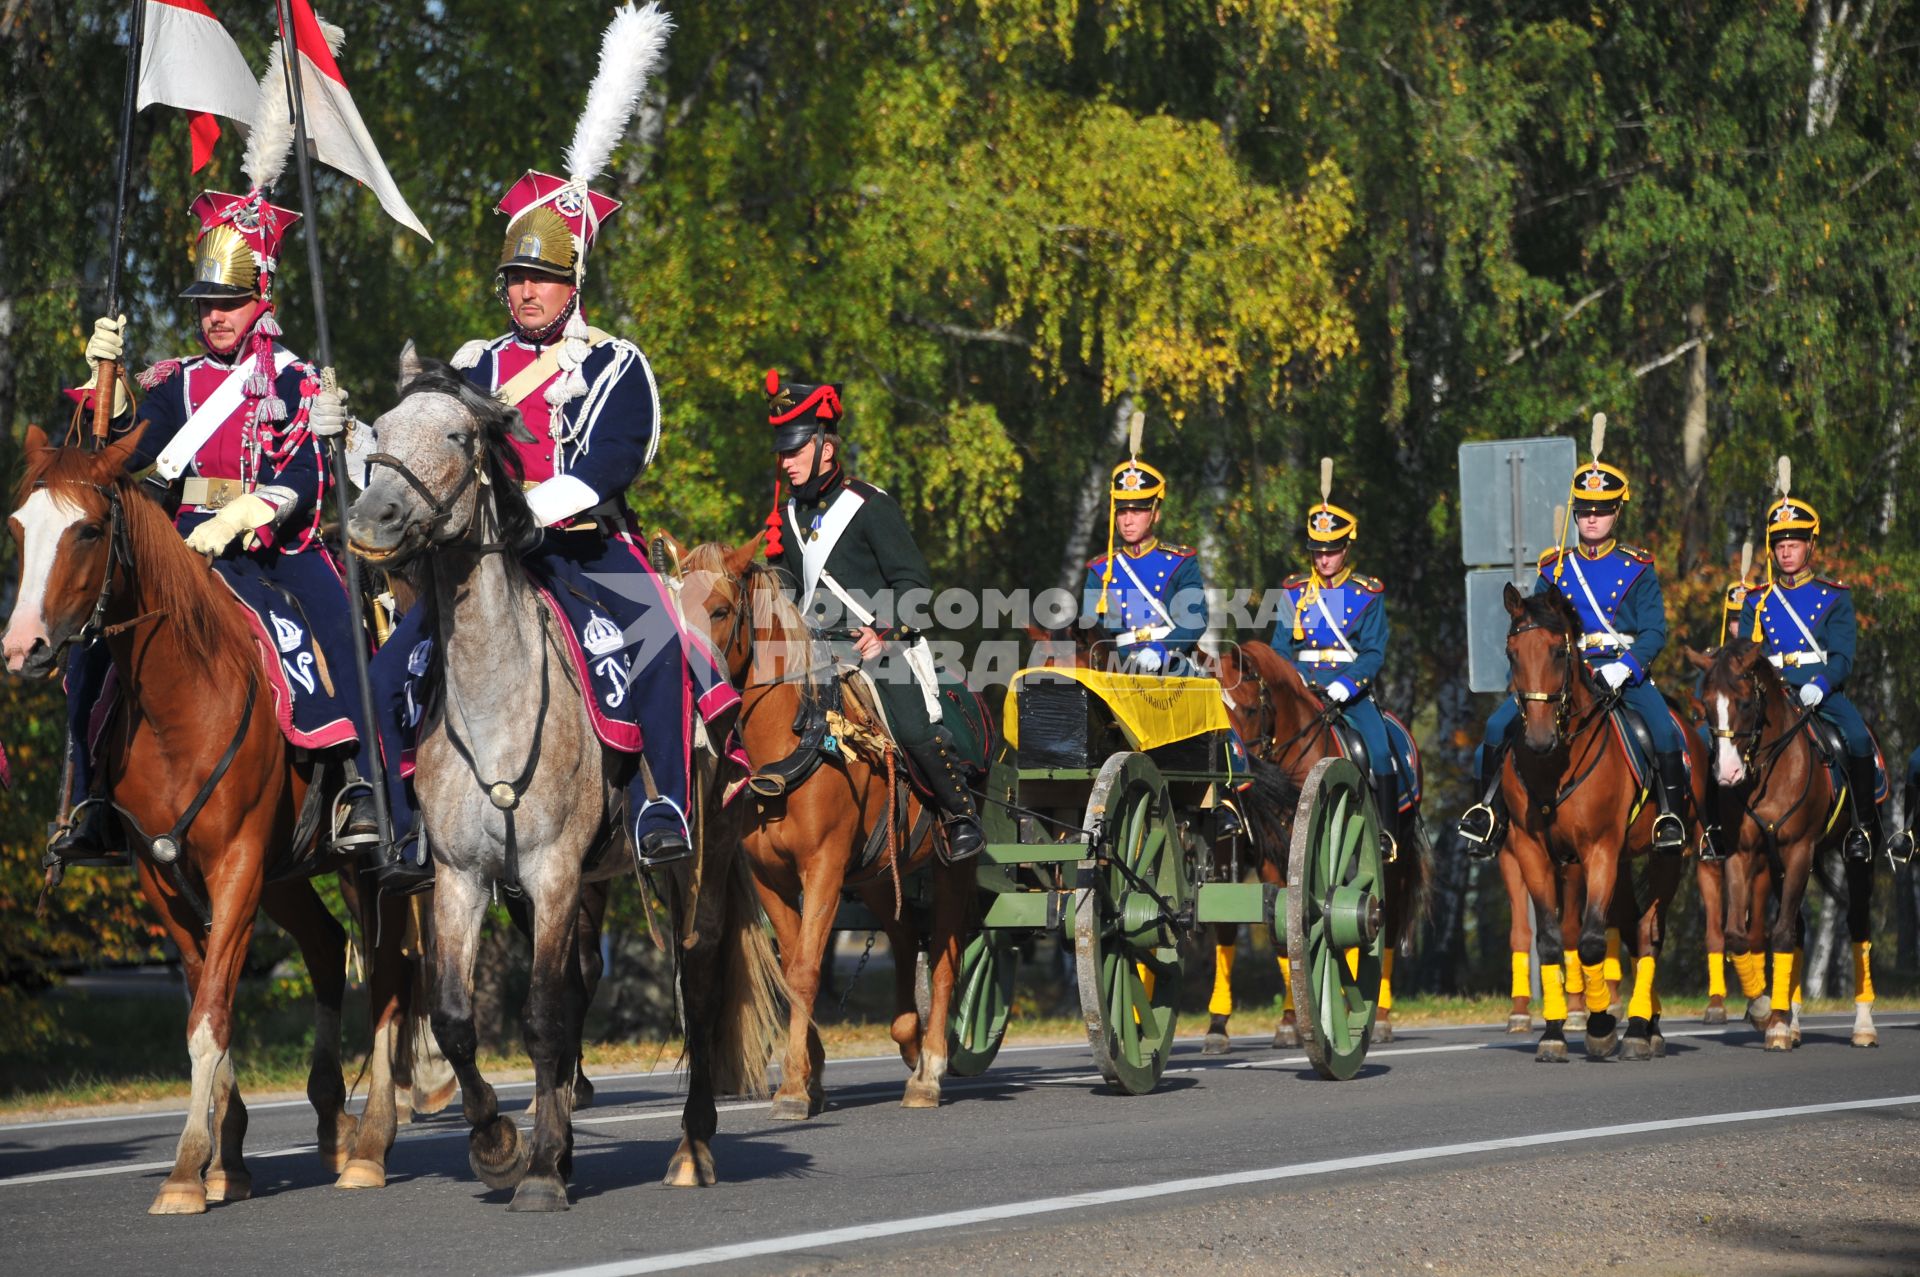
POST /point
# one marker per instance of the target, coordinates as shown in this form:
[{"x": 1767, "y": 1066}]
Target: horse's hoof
[
  {"x": 1714, "y": 1015},
  {"x": 179, "y": 1199},
  {"x": 1552, "y": 1051},
  {"x": 921, "y": 1095},
  {"x": 1758, "y": 1011},
  {"x": 497, "y": 1154},
  {"x": 790, "y": 1108},
  {"x": 1518, "y": 1023},
  {"x": 1779, "y": 1038},
  {"x": 540, "y": 1193},
  {"x": 691, "y": 1170},
  {"x": 1636, "y": 1050},
  {"x": 1603, "y": 1035},
  {"x": 1866, "y": 1037},
  {"x": 1286, "y": 1037},
  {"x": 1576, "y": 1021},
  {"x": 1216, "y": 1044},
  {"x": 1382, "y": 1031},
  {"x": 229, "y": 1186},
  {"x": 362, "y": 1172}
]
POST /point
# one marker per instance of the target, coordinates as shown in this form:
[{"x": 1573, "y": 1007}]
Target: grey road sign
[
  {"x": 1509, "y": 491},
  {"x": 1508, "y": 482}
]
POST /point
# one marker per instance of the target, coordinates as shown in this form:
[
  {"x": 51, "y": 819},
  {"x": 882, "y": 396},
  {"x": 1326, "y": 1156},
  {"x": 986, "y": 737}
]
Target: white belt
[
  {"x": 1330, "y": 655},
  {"x": 1781, "y": 659},
  {"x": 1608, "y": 641},
  {"x": 209, "y": 494},
  {"x": 1144, "y": 634}
]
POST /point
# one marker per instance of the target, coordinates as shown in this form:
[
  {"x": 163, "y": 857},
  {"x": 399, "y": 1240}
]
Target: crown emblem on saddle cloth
[
  {"x": 601, "y": 636},
  {"x": 286, "y": 635}
]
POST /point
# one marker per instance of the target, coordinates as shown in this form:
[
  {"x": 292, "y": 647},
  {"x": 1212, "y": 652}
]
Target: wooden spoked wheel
[
  {"x": 1333, "y": 915},
  {"x": 1134, "y": 896},
  {"x": 982, "y": 1002}
]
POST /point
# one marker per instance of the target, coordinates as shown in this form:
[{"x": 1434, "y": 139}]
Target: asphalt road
[{"x": 1452, "y": 1152}]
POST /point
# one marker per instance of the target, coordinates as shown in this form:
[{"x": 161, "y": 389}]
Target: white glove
[
  {"x": 327, "y": 417},
  {"x": 1811, "y": 695},
  {"x": 1147, "y": 661},
  {"x": 1338, "y": 693},
  {"x": 1616, "y": 674},
  {"x": 244, "y": 514},
  {"x": 108, "y": 342}
]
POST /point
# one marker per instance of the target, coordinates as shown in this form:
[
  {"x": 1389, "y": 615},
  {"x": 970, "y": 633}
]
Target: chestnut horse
[
  {"x": 210, "y": 795},
  {"x": 804, "y": 842},
  {"x": 1287, "y": 728},
  {"x": 1777, "y": 806},
  {"x": 1570, "y": 788}
]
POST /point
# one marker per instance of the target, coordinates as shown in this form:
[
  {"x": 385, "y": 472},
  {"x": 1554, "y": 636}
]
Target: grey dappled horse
[{"x": 507, "y": 714}]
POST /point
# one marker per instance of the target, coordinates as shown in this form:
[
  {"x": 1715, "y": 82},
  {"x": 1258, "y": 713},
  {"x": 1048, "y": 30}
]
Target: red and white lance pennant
[{"x": 188, "y": 60}]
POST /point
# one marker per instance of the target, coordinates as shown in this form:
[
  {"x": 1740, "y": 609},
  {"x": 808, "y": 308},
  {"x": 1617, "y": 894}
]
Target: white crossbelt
[
  {"x": 918, "y": 656},
  {"x": 1781, "y": 660},
  {"x": 1623, "y": 642},
  {"x": 1332, "y": 655},
  {"x": 210, "y": 416},
  {"x": 1145, "y": 633},
  {"x": 1818, "y": 654}
]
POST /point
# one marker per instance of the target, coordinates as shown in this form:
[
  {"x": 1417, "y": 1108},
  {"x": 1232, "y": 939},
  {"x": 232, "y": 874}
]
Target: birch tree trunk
[{"x": 1092, "y": 503}]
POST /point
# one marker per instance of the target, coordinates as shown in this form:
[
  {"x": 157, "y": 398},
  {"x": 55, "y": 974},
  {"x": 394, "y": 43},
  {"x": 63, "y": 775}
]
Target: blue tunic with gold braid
[
  {"x": 1156, "y": 605},
  {"x": 1807, "y": 626},
  {"x": 1337, "y": 633}
]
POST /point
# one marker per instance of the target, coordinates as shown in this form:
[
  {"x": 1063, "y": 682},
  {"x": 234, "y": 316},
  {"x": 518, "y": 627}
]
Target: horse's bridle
[
  {"x": 1562, "y": 700},
  {"x": 119, "y": 555}
]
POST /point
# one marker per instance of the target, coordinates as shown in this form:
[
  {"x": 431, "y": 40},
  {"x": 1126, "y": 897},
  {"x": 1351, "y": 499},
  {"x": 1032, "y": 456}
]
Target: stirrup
[
  {"x": 1858, "y": 845},
  {"x": 947, "y": 845},
  {"x": 1900, "y": 847},
  {"x": 1389, "y": 847},
  {"x": 660, "y": 848},
  {"x": 65, "y": 848},
  {"x": 1477, "y": 828},
  {"x": 1675, "y": 837},
  {"x": 1710, "y": 852},
  {"x": 338, "y": 838}
]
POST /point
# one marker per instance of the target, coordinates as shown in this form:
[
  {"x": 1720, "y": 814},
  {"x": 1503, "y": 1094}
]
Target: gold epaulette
[{"x": 1634, "y": 552}]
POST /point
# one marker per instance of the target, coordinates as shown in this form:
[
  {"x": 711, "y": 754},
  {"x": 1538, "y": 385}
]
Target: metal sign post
[{"x": 1509, "y": 489}]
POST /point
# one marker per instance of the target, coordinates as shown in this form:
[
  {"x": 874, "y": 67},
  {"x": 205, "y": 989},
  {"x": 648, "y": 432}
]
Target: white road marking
[{"x": 1107, "y": 1197}]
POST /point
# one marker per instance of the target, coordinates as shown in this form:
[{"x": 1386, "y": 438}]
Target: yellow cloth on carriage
[{"x": 1151, "y": 710}]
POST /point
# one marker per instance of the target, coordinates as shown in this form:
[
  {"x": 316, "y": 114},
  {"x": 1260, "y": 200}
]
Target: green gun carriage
[{"x": 1104, "y": 807}]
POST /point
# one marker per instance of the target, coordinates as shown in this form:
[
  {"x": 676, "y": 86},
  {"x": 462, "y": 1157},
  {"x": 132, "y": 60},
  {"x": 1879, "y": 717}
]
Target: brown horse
[
  {"x": 1570, "y": 786},
  {"x": 805, "y": 842},
  {"x": 1520, "y": 944},
  {"x": 1287, "y": 728},
  {"x": 1777, "y": 807},
  {"x": 99, "y": 558}
]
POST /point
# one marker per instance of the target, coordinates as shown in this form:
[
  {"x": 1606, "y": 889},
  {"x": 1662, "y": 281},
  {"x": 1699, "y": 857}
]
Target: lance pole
[
  {"x": 108, "y": 370},
  {"x": 323, "y": 347}
]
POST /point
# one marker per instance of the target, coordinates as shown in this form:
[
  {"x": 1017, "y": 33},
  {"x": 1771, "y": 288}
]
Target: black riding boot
[
  {"x": 1865, "y": 834},
  {"x": 1386, "y": 796},
  {"x": 940, "y": 768},
  {"x": 94, "y": 837},
  {"x": 356, "y": 822},
  {"x": 1669, "y": 830},
  {"x": 1714, "y": 839},
  {"x": 1485, "y": 824},
  {"x": 1900, "y": 846}
]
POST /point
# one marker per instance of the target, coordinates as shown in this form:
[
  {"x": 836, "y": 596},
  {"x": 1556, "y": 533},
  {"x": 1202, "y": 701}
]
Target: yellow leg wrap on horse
[
  {"x": 1716, "y": 975},
  {"x": 1862, "y": 971},
  {"x": 1221, "y": 1003},
  {"x": 1752, "y": 970},
  {"x": 1522, "y": 976},
  {"x": 1782, "y": 980},
  {"x": 1353, "y": 963},
  {"x": 1386, "y": 980},
  {"x": 1596, "y": 980},
  {"x": 1576, "y": 982},
  {"x": 1553, "y": 992},
  {"x": 1799, "y": 970},
  {"x": 1612, "y": 963},
  {"x": 1286, "y": 984},
  {"x": 1641, "y": 1003}
]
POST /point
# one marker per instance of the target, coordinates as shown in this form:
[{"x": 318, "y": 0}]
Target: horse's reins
[
  {"x": 1760, "y": 772},
  {"x": 1562, "y": 701}
]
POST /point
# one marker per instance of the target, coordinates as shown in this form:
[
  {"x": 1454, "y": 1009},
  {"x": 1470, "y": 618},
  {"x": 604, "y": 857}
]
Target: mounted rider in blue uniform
[
  {"x": 233, "y": 436},
  {"x": 592, "y": 407},
  {"x": 1334, "y": 629},
  {"x": 1146, "y": 595},
  {"x": 1616, "y": 592},
  {"x": 1806, "y": 623}
]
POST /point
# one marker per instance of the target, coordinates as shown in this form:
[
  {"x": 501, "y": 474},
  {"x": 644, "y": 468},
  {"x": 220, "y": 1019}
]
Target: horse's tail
[
  {"x": 749, "y": 1020},
  {"x": 1419, "y": 881}
]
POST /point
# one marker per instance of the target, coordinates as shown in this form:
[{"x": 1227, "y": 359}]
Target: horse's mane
[
  {"x": 1766, "y": 679},
  {"x": 1551, "y": 611},
  {"x": 496, "y": 422},
  {"x": 173, "y": 579},
  {"x": 766, "y": 594}
]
